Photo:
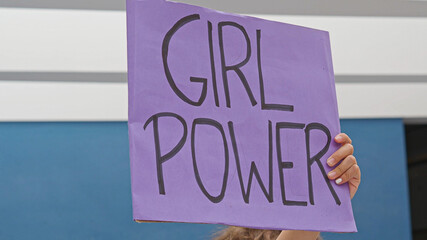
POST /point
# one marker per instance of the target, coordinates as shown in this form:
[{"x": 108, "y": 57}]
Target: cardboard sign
[{"x": 231, "y": 120}]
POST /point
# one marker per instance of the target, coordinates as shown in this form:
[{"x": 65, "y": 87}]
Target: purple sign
[{"x": 231, "y": 120}]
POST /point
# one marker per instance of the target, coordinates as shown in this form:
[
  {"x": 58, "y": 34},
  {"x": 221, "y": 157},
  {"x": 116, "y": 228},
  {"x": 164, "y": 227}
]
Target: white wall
[
  {"x": 82, "y": 40},
  {"x": 33, "y": 40}
]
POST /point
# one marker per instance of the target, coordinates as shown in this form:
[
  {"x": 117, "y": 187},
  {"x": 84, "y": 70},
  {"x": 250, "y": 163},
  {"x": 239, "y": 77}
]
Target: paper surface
[{"x": 231, "y": 120}]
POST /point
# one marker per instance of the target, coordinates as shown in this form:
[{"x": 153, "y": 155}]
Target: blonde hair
[{"x": 241, "y": 233}]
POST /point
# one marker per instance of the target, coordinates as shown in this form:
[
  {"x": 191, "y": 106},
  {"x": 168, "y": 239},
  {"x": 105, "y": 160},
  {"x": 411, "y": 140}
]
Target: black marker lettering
[
  {"x": 165, "y": 51},
  {"x": 211, "y": 54},
  {"x": 159, "y": 158},
  {"x": 253, "y": 170},
  {"x": 282, "y": 165},
  {"x": 217, "y": 125},
  {"x": 267, "y": 106},
  {"x": 236, "y": 67},
  {"x": 316, "y": 158}
]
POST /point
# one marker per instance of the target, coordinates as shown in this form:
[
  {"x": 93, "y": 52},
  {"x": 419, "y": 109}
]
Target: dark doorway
[{"x": 416, "y": 145}]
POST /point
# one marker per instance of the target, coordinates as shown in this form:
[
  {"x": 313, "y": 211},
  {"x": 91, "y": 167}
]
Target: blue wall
[
  {"x": 381, "y": 205},
  {"x": 71, "y": 181}
]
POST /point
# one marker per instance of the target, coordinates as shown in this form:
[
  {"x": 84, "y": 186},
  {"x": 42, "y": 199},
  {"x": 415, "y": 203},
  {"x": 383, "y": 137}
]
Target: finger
[
  {"x": 354, "y": 183},
  {"x": 342, "y": 138},
  {"x": 346, "y": 164},
  {"x": 342, "y": 152},
  {"x": 352, "y": 173}
]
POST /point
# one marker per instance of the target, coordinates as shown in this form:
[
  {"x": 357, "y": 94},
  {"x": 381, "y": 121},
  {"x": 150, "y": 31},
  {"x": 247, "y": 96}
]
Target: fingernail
[
  {"x": 332, "y": 174},
  {"x": 330, "y": 161},
  {"x": 338, "y": 181},
  {"x": 338, "y": 138}
]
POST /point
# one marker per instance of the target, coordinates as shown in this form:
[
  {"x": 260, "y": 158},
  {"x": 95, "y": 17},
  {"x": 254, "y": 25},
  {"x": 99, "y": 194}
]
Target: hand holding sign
[
  {"x": 347, "y": 170},
  {"x": 231, "y": 118}
]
